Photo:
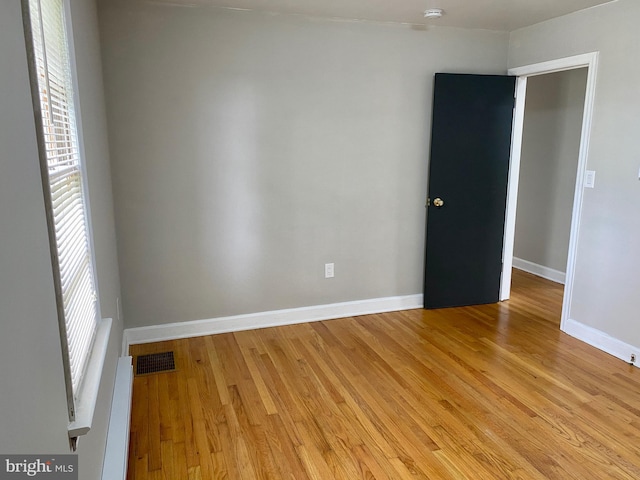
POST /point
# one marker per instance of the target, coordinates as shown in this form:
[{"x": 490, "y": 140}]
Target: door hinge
[{"x": 428, "y": 204}]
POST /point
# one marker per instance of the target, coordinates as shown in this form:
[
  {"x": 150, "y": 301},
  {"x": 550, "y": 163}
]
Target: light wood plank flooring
[{"x": 488, "y": 392}]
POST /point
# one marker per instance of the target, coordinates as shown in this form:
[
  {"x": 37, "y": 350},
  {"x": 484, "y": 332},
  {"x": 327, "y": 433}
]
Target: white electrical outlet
[
  {"x": 328, "y": 270},
  {"x": 590, "y": 179}
]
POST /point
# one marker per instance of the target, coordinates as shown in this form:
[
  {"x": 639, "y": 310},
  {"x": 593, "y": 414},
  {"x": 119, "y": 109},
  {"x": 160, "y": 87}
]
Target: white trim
[
  {"x": 114, "y": 466},
  {"x": 539, "y": 270},
  {"x": 512, "y": 188},
  {"x": 172, "y": 331},
  {"x": 576, "y": 216},
  {"x": 601, "y": 340},
  {"x": 557, "y": 65},
  {"x": 88, "y": 395},
  {"x": 590, "y": 61}
]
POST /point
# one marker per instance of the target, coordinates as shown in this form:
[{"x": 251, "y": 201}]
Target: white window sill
[{"x": 86, "y": 401}]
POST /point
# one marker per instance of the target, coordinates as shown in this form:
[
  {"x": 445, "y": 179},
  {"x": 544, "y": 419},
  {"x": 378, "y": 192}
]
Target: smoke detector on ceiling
[{"x": 433, "y": 13}]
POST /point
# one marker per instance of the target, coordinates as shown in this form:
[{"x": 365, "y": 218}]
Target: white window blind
[{"x": 63, "y": 185}]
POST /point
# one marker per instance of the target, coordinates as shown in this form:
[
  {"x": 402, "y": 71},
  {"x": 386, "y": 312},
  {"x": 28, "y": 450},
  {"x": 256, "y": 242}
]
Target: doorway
[
  {"x": 588, "y": 62},
  {"x": 554, "y": 108}
]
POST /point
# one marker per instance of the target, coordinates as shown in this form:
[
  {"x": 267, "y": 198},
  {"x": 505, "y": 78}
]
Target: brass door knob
[{"x": 438, "y": 202}]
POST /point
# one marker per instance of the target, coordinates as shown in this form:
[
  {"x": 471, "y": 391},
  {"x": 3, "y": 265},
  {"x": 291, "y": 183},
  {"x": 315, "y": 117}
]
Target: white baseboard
[
  {"x": 539, "y": 270},
  {"x": 196, "y": 328},
  {"x": 601, "y": 341}
]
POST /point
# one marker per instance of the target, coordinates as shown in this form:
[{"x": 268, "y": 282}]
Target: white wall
[
  {"x": 33, "y": 411},
  {"x": 250, "y": 149},
  {"x": 608, "y": 260},
  {"x": 548, "y": 165}
]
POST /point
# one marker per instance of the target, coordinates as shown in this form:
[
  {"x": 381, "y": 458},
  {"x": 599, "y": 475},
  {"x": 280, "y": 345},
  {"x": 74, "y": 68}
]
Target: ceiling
[{"x": 503, "y": 15}]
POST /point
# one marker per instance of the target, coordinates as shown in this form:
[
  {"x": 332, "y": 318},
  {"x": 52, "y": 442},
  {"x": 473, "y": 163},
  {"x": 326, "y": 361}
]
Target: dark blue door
[{"x": 468, "y": 173}]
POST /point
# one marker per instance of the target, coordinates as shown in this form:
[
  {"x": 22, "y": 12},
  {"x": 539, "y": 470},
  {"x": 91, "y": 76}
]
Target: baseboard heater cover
[{"x": 116, "y": 452}]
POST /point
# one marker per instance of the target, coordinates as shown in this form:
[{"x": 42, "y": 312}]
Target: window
[{"x": 63, "y": 186}]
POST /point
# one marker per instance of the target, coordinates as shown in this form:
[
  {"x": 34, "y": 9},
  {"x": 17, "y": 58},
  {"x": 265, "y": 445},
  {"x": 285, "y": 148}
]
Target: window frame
[{"x": 81, "y": 400}]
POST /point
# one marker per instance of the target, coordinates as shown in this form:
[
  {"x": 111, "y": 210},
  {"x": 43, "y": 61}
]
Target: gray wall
[
  {"x": 248, "y": 150},
  {"x": 33, "y": 412},
  {"x": 550, "y": 147},
  {"x": 608, "y": 260}
]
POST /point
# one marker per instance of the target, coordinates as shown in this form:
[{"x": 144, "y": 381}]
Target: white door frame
[{"x": 590, "y": 61}]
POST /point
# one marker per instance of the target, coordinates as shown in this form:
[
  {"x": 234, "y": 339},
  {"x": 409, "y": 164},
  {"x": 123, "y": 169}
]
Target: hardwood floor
[{"x": 487, "y": 392}]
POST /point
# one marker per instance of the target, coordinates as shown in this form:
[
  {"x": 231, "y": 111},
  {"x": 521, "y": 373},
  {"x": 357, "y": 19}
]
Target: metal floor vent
[{"x": 155, "y": 363}]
